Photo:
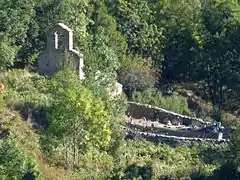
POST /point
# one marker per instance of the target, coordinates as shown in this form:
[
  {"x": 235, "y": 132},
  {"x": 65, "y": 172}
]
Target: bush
[
  {"x": 229, "y": 119},
  {"x": 14, "y": 164},
  {"x": 225, "y": 172},
  {"x": 23, "y": 87},
  {"x": 137, "y": 75},
  {"x": 25, "y": 92},
  {"x": 175, "y": 103},
  {"x": 7, "y": 52},
  {"x": 144, "y": 160}
]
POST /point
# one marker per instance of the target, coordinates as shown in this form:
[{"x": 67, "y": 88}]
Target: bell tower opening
[{"x": 59, "y": 41}]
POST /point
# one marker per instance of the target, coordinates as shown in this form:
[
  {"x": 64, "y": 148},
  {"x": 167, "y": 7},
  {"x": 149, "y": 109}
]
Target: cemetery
[{"x": 162, "y": 126}]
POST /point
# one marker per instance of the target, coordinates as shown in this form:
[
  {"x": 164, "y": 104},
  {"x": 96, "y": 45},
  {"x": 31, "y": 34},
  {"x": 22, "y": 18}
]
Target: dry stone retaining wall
[
  {"x": 153, "y": 113},
  {"x": 171, "y": 140}
]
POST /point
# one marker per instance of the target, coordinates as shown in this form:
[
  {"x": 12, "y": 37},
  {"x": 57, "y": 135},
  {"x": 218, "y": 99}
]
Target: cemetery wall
[{"x": 153, "y": 113}]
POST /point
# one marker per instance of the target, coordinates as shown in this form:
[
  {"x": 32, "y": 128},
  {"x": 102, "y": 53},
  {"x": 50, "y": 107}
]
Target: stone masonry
[
  {"x": 59, "y": 42},
  {"x": 139, "y": 111}
]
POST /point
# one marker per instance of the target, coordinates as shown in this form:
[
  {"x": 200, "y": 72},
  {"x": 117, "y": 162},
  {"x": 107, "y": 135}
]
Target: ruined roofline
[
  {"x": 76, "y": 52},
  {"x": 65, "y": 27},
  {"x": 70, "y": 48}
]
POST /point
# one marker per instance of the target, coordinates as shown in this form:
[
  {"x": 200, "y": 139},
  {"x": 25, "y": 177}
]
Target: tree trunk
[
  {"x": 65, "y": 153},
  {"x": 221, "y": 96}
]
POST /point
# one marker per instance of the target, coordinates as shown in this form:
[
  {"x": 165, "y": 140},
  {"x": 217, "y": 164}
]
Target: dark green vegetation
[{"x": 61, "y": 128}]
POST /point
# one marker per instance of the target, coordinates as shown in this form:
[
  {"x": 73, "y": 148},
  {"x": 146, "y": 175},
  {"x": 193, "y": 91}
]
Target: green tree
[
  {"x": 7, "y": 53},
  {"x": 15, "y": 16},
  {"x": 136, "y": 21},
  {"x": 103, "y": 28},
  {"x": 181, "y": 48},
  {"x": 137, "y": 75},
  {"x": 220, "y": 53},
  {"x": 230, "y": 167},
  {"x": 77, "y": 119},
  {"x": 235, "y": 148},
  {"x": 180, "y": 55},
  {"x": 72, "y": 13},
  {"x": 107, "y": 48}
]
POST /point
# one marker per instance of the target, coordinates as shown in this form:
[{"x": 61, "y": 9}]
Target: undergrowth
[
  {"x": 132, "y": 160},
  {"x": 175, "y": 102}
]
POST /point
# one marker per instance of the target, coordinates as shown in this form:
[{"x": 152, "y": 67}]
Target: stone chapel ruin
[{"x": 60, "y": 43}]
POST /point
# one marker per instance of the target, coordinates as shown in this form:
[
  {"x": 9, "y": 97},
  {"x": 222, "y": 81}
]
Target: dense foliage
[
  {"x": 202, "y": 47},
  {"x": 14, "y": 164},
  {"x": 175, "y": 102},
  {"x": 136, "y": 74},
  {"x": 76, "y": 119},
  {"x": 141, "y": 43}
]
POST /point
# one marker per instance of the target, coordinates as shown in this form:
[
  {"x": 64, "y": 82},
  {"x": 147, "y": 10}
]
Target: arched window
[{"x": 59, "y": 40}]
